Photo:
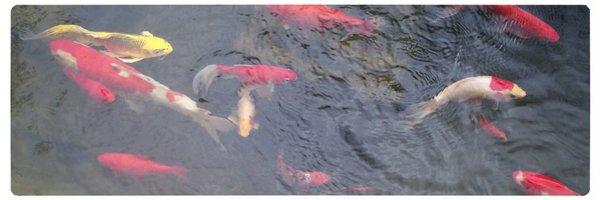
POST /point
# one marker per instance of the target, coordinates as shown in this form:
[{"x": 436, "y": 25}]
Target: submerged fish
[
  {"x": 534, "y": 183},
  {"x": 484, "y": 87},
  {"x": 252, "y": 76},
  {"x": 243, "y": 115},
  {"x": 320, "y": 17},
  {"x": 491, "y": 129},
  {"x": 120, "y": 45},
  {"x": 98, "y": 92},
  {"x": 119, "y": 76},
  {"x": 300, "y": 179},
  {"x": 138, "y": 165},
  {"x": 526, "y": 25}
]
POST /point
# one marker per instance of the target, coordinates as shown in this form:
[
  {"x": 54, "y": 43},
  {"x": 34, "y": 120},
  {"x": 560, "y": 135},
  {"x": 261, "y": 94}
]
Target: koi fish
[
  {"x": 491, "y": 129},
  {"x": 534, "y": 183},
  {"x": 300, "y": 179},
  {"x": 99, "y": 93},
  {"x": 245, "y": 114},
  {"x": 119, "y": 76},
  {"x": 484, "y": 87},
  {"x": 526, "y": 24},
  {"x": 320, "y": 17},
  {"x": 253, "y": 76},
  {"x": 138, "y": 165},
  {"x": 119, "y": 45}
]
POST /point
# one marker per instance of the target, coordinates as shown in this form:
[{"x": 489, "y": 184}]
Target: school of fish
[{"x": 104, "y": 74}]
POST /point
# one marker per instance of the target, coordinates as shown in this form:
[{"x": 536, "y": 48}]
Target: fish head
[
  {"x": 155, "y": 46},
  {"x": 505, "y": 90},
  {"x": 64, "y": 51},
  {"x": 519, "y": 177},
  {"x": 288, "y": 75}
]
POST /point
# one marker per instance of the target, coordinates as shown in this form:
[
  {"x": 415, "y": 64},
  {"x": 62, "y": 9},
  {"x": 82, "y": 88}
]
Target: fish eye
[
  {"x": 158, "y": 50},
  {"x": 512, "y": 96}
]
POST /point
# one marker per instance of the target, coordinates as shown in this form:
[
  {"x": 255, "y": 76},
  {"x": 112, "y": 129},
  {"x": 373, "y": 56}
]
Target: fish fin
[
  {"x": 130, "y": 60},
  {"x": 417, "y": 112},
  {"x": 256, "y": 126},
  {"x": 265, "y": 91},
  {"x": 232, "y": 118},
  {"x": 136, "y": 107},
  {"x": 213, "y": 125},
  {"x": 59, "y": 31},
  {"x": 108, "y": 53},
  {"x": 146, "y": 33},
  {"x": 180, "y": 172},
  {"x": 204, "y": 77}
]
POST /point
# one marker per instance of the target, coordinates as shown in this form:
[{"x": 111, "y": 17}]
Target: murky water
[{"x": 342, "y": 116}]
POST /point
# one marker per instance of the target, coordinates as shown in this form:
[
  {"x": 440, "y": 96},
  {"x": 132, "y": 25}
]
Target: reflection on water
[{"x": 342, "y": 115}]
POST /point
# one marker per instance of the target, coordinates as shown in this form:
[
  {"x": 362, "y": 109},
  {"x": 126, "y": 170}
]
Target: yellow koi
[{"x": 127, "y": 47}]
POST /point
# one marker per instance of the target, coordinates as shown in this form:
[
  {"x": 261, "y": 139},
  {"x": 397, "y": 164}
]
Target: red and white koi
[
  {"x": 117, "y": 75},
  {"x": 320, "y": 17},
  {"x": 300, "y": 179},
  {"x": 534, "y": 183},
  {"x": 483, "y": 87}
]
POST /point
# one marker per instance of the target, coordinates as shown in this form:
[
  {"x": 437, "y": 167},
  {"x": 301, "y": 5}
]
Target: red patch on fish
[
  {"x": 258, "y": 74},
  {"x": 301, "y": 179},
  {"x": 138, "y": 165},
  {"x": 528, "y": 24},
  {"x": 498, "y": 84},
  {"x": 102, "y": 68},
  {"x": 491, "y": 129},
  {"x": 534, "y": 183},
  {"x": 320, "y": 17},
  {"x": 98, "y": 92},
  {"x": 171, "y": 95}
]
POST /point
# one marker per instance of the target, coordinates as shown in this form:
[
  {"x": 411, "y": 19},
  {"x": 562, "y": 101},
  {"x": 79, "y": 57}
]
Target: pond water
[{"x": 343, "y": 115}]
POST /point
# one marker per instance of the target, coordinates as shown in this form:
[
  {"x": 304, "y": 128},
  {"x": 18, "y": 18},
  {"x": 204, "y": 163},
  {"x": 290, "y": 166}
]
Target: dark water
[{"x": 341, "y": 117}]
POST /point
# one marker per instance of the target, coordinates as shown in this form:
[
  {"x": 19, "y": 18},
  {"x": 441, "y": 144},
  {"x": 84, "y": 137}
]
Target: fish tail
[
  {"x": 213, "y": 125},
  {"x": 60, "y": 31},
  {"x": 417, "y": 112},
  {"x": 180, "y": 172},
  {"x": 205, "y": 77}
]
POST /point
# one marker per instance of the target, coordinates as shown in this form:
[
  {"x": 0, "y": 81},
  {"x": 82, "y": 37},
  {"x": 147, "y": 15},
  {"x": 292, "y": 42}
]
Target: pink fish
[
  {"x": 534, "y": 183},
  {"x": 116, "y": 75},
  {"x": 98, "y": 92},
  {"x": 320, "y": 17},
  {"x": 249, "y": 75},
  {"x": 491, "y": 129},
  {"x": 526, "y": 24},
  {"x": 138, "y": 165},
  {"x": 300, "y": 179}
]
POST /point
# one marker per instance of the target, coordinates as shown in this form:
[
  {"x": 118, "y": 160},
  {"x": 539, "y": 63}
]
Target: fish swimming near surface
[
  {"x": 118, "y": 76},
  {"x": 302, "y": 180},
  {"x": 320, "y": 17},
  {"x": 524, "y": 24},
  {"x": 491, "y": 129},
  {"x": 534, "y": 183},
  {"x": 127, "y": 47},
  {"x": 138, "y": 166},
  {"x": 98, "y": 92},
  {"x": 261, "y": 77},
  {"x": 243, "y": 115},
  {"x": 478, "y": 87}
]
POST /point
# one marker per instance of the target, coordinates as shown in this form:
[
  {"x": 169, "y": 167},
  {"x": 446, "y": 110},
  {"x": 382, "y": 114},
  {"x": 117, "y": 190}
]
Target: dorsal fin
[{"x": 146, "y": 33}]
